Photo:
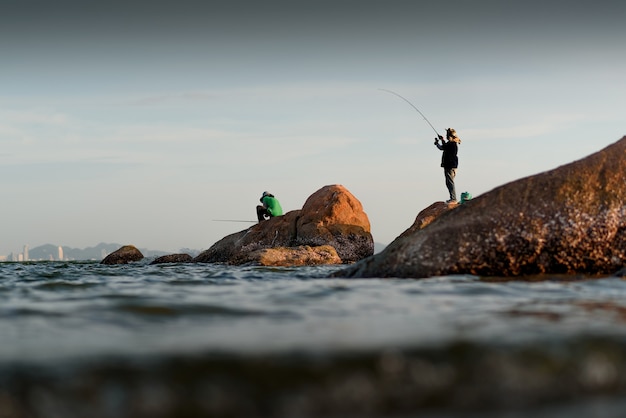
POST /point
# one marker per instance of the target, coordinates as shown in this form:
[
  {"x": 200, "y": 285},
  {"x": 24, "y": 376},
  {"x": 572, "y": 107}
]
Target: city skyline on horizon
[{"x": 62, "y": 251}]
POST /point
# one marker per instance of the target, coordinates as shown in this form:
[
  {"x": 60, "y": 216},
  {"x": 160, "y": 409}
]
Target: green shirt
[{"x": 272, "y": 205}]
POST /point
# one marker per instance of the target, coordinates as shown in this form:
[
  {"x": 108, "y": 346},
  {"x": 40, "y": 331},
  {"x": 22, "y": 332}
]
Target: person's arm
[{"x": 440, "y": 146}]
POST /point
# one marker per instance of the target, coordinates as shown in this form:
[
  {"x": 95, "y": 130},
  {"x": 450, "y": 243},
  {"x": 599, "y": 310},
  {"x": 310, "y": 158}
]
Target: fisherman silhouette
[{"x": 449, "y": 160}]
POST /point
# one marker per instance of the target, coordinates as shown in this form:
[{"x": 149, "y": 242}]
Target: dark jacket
[{"x": 449, "y": 158}]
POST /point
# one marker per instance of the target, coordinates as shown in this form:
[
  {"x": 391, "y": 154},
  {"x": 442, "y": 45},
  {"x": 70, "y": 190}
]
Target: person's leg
[
  {"x": 450, "y": 174},
  {"x": 261, "y": 212}
]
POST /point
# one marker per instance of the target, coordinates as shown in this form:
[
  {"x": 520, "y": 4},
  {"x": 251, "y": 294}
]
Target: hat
[
  {"x": 452, "y": 134},
  {"x": 265, "y": 194}
]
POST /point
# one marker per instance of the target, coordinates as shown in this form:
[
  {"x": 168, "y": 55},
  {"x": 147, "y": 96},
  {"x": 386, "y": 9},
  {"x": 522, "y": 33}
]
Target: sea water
[{"x": 85, "y": 339}]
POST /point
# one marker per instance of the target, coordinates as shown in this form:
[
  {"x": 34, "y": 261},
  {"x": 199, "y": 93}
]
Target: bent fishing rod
[{"x": 413, "y": 106}]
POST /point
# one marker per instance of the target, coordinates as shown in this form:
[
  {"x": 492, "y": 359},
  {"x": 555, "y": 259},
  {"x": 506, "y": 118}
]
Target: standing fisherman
[{"x": 449, "y": 159}]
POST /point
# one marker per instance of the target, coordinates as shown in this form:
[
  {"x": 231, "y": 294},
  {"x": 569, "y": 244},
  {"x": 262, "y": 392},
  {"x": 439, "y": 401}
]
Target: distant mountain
[{"x": 51, "y": 252}]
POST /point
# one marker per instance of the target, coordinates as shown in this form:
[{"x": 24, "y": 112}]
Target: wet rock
[
  {"x": 565, "y": 221},
  {"x": 303, "y": 255},
  {"x": 126, "y": 254},
  {"x": 331, "y": 216},
  {"x": 173, "y": 258}
]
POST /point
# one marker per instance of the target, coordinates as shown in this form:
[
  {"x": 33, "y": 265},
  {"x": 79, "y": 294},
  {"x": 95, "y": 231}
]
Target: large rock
[
  {"x": 331, "y": 216},
  {"x": 125, "y": 255},
  {"x": 568, "y": 220}
]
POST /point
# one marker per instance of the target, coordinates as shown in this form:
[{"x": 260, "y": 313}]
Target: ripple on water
[{"x": 171, "y": 310}]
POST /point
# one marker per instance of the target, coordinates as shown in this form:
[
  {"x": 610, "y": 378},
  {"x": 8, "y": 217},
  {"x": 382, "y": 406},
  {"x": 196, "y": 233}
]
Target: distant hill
[{"x": 51, "y": 252}]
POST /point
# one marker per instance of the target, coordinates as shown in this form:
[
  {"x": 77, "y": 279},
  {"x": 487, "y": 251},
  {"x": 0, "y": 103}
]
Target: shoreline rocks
[{"x": 570, "y": 220}]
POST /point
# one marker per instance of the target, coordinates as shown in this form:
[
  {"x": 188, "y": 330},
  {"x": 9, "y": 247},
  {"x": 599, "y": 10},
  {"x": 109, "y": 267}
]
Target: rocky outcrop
[
  {"x": 568, "y": 220},
  {"x": 173, "y": 258},
  {"x": 126, "y": 254},
  {"x": 331, "y": 216}
]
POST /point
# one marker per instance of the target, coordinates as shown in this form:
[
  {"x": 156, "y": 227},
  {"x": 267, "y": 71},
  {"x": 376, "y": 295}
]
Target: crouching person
[{"x": 270, "y": 208}]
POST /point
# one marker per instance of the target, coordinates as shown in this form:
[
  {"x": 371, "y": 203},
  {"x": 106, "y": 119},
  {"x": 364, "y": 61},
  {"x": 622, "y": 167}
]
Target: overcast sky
[{"x": 143, "y": 122}]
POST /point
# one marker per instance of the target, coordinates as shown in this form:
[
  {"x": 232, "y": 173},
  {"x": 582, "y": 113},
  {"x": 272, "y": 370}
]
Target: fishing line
[
  {"x": 413, "y": 106},
  {"x": 232, "y": 220}
]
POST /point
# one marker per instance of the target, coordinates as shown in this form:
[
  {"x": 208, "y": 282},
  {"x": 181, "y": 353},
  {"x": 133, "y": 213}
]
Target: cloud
[
  {"x": 33, "y": 117},
  {"x": 548, "y": 125},
  {"x": 178, "y": 99}
]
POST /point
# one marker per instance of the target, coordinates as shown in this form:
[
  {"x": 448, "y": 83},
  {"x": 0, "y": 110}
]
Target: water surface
[{"x": 437, "y": 335}]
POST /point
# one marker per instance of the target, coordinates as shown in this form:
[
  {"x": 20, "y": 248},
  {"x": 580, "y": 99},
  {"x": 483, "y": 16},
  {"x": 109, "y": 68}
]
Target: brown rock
[
  {"x": 565, "y": 221},
  {"x": 173, "y": 258},
  {"x": 125, "y": 255},
  {"x": 303, "y": 255},
  {"x": 426, "y": 216},
  {"x": 331, "y": 216}
]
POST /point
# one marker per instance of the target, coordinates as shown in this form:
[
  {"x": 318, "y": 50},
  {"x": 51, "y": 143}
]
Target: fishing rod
[
  {"x": 233, "y": 220},
  {"x": 413, "y": 106}
]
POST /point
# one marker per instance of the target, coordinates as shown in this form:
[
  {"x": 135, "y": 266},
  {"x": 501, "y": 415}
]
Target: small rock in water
[
  {"x": 126, "y": 254},
  {"x": 173, "y": 258}
]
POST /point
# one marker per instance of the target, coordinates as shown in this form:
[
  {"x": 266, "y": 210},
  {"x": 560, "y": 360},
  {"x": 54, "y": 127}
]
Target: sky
[{"x": 144, "y": 122}]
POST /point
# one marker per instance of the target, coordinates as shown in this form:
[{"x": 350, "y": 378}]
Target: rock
[
  {"x": 331, "y": 216},
  {"x": 173, "y": 258},
  {"x": 303, "y": 255},
  {"x": 621, "y": 273},
  {"x": 570, "y": 220},
  {"x": 428, "y": 215},
  {"x": 126, "y": 254}
]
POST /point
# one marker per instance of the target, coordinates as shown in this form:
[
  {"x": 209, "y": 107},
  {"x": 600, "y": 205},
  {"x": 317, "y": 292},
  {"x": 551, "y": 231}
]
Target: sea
[{"x": 81, "y": 339}]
